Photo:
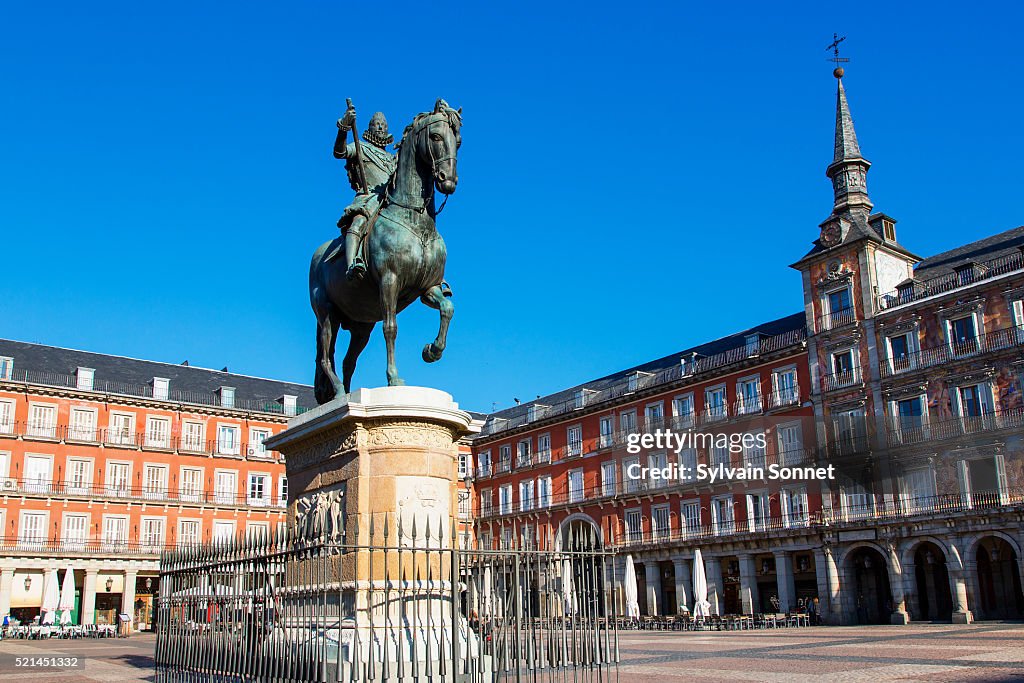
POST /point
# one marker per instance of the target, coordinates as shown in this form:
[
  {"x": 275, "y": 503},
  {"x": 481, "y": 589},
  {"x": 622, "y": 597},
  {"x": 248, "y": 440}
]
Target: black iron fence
[{"x": 404, "y": 606}]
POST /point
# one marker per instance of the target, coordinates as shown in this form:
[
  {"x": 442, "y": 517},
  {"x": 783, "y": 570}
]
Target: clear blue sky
[{"x": 634, "y": 178}]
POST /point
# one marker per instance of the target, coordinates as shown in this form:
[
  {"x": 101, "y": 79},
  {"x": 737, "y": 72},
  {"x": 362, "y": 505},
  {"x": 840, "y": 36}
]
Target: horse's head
[{"x": 436, "y": 138}]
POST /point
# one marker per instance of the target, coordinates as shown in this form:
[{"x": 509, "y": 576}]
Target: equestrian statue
[{"x": 389, "y": 253}]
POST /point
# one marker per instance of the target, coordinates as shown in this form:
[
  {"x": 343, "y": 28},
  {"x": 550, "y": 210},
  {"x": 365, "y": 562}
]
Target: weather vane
[{"x": 836, "y": 59}]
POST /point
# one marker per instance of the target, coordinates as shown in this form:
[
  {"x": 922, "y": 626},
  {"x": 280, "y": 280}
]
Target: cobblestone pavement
[{"x": 980, "y": 652}]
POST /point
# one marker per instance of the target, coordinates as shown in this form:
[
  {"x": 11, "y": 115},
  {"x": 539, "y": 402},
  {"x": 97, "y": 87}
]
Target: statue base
[{"x": 372, "y": 486}]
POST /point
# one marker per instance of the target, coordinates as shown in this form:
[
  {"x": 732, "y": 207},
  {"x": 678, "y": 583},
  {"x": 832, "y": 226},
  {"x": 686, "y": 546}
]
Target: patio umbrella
[
  {"x": 51, "y": 598},
  {"x": 701, "y": 606},
  {"x": 568, "y": 589},
  {"x": 632, "y": 604},
  {"x": 485, "y": 602},
  {"x": 67, "y": 597}
]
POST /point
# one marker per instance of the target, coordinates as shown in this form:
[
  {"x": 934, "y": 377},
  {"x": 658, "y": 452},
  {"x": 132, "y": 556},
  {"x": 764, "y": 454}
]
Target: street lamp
[
  {"x": 149, "y": 583},
  {"x": 28, "y": 583},
  {"x": 110, "y": 583}
]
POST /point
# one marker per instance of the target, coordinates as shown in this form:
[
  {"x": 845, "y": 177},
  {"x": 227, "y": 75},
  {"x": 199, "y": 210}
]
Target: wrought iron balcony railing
[
  {"x": 836, "y": 319},
  {"x": 50, "y": 488},
  {"x": 842, "y": 380},
  {"x": 907, "y": 431},
  {"x": 987, "y": 270},
  {"x": 991, "y": 342}
]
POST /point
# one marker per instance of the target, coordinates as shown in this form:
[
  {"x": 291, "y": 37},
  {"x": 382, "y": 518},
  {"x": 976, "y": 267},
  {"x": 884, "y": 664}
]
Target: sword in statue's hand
[{"x": 364, "y": 188}]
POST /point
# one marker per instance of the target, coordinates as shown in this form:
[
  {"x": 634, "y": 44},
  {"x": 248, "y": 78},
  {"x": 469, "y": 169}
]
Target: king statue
[{"x": 370, "y": 169}]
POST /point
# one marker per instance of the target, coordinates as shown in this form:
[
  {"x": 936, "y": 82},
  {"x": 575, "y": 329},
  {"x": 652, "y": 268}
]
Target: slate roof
[
  {"x": 771, "y": 328},
  {"x": 37, "y": 359},
  {"x": 988, "y": 249}
]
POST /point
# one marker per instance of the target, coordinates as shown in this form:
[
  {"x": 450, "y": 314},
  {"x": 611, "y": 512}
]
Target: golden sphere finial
[{"x": 838, "y": 72}]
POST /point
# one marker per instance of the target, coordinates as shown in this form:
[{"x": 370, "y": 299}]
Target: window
[
  {"x": 791, "y": 447},
  {"x": 161, "y": 388},
  {"x": 223, "y": 531},
  {"x": 158, "y": 432},
  {"x": 784, "y": 387},
  {"x": 840, "y": 309},
  {"x": 974, "y": 405},
  {"x": 721, "y": 515},
  {"x": 465, "y": 468},
  {"x": 486, "y": 502},
  {"x": 627, "y": 422},
  {"x": 757, "y": 511},
  {"x": 682, "y": 410},
  {"x": 752, "y": 344},
  {"x": 42, "y": 420},
  {"x": 256, "y": 530},
  {"x": 38, "y": 473},
  {"x": 79, "y": 476},
  {"x": 858, "y": 502},
  {"x": 720, "y": 456},
  {"x": 5, "y": 465},
  {"x": 227, "y": 397},
  {"x": 575, "y": 486},
  {"x": 84, "y": 378},
  {"x": 191, "y": 484},
  {"x": 794, "y": 507},
  {"x": 119, "y": 480},
  {"x": 32, "y": 533},
  {"x": 115, "y": 532},
  {"x": 152, "y": 534},
  {"x": 225, "y": 486},
  {"x": 282, "y": 491},
  {"x": 122, "y": 429},
  {"x": 691, "y": 516},
  {"x": 660, "y": 525},
  {"x": 754, "y": 454},
  {"x": 608, "y": 482},
  {"x": 844, "y": 369},
  {"x": 259, "y": 489},
  {"x": 505, "y": 458},
  {"x": 228, "y": 440},
  {"x": 526, "y": 495},
  {"x": 544, "y": 491},
  {"x": 154, "y": 484},
  {"x": 76, "y": 531},
  {"x": 523, "y": 453},
  {"x": 654, "y": 416},
  {"x": 574, "y": 439},
  {"x": 909, "y": 418},
  {"x": 714, "y": 403},
  {"x": 658, "y": 461},
  {"x": 688, "y": 465},
  {"x": 483, "y": 468},
  {"x": 579, "y": 399},
  {"x": 82, "y": 425},
  {"x": 632, "y": 483},
  {"x": 963, "y": 336},
  {"x": 6, "y": 367},
  {"x": 631, "y": 381},
  {"x": 919, "y": 489},
  {"x": 850, "y": 430},
  {"x": 634, "y": 525},
  {"x": 748, "y": 393},
  {"x": 544, "y": 448},
  {"x": 506, "y": 538},
  {"x": 6, "y": 417},
  {"x": 189, "y": 532},
  {"x": 465, "y": 511},
  {"x": 193, "y": 437},
  {"x": 901, "y": 352},
  {"x": 607, "y": 428},
  {"x": 505, "y": 499},
  {"x": 256, "y": 438}
]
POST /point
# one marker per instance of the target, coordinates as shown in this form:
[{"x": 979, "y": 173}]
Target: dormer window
[
  {"x": 964, "y": 274},
  {"x": 84, "y": 378},
  {"x": 905, "y": 292},
  {"x": 6, "y": 367},
  {"x": 161, "y": 388},
  {"x": 753, "y": 343},
  {"x": 631, "y": 381},
  {"x": 289, "y": 404},
  {"x": 227, "y": 397},
  {"x": 889, "y": 230}
]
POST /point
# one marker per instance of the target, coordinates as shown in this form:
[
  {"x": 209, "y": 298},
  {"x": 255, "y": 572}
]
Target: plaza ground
[{"x": 980, "y": 652}]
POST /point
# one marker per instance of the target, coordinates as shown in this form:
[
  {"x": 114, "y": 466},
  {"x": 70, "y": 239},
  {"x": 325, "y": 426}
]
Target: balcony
[
  {"x": 784, "y": 398},
  {"x": 748, "y": 405},
  {"x": 836, "y": 319},
  {"x": 915, "y": 291},
  {"x": 90, "y": 546},
  {"x": 483, "y": 470},
  {"x": 842, "y": 380},
  {"x": 905, "y": 432},
  {"x": 524, "y": 460},
  {"x": 120, "y": 490},
  {"x": 938, "y": 504},
  {"x": 848, "y": 445},
  {"x": 991, "y": 342}
]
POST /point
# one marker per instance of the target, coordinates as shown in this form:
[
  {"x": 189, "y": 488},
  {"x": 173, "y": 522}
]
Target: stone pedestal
[{"x": 372, "y": 483}]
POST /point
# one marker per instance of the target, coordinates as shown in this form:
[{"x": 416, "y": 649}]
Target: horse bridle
[{"x": 430, "y": 120}]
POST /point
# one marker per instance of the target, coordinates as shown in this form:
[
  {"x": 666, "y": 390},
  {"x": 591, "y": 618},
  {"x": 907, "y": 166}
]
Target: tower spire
[{"x": 848, "y": 170}]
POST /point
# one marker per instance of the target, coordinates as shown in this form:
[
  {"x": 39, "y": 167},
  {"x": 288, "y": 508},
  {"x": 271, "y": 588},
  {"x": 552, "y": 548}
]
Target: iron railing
[
  {"x": 918, "y": 290},
  {"x": 117, "y": 490},
  {"x": 992, "y": 341},
  {"x": 694, "y": 367},
  {"x": 836, "y": 319},
  {"x": 921, "y": 429},
  {"x": 400, "y": 605},
  {"x": 58, "y": 380}
]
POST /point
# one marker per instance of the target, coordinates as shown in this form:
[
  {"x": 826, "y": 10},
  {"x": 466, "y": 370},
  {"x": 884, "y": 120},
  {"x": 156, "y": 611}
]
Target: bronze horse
[{"x": 405, "y": 257}]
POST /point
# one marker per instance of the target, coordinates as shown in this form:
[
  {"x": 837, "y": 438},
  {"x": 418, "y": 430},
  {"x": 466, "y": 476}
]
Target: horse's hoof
[
  {"x": 430, "y": 355},
  {"x": 396, "y": 382}
]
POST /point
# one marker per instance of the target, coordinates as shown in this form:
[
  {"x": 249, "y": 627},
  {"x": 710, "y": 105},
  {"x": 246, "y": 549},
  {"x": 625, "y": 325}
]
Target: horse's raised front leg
[
  {"x": 436, "y": 299},
  {"x": 389, "y": 306},
  {"x": 357, "y": 342}
]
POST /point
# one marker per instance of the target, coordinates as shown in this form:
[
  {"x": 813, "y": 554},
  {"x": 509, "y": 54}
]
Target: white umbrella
[
  {"x": 67, "y": 597},
  {"x": 51, "y": 598},
  {"x": 701, "y": 606},
  {"x": 485, "y": 602},
  {"x": 632, "y": 604},
  {"x": 568, "y": 589}
]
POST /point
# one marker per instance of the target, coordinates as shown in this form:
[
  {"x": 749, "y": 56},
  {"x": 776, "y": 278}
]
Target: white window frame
[
  {"x": 682, "y": 420},
  {"x": 627, "y": 422},
  {"x": 255, "y": 448},
  {"x": 7, "y": 407},
  {"x": 46, "y": 429},
  {"x": 794, "y": 517},
  {"x": 785, "y": 396},
  {"x": 544, "y": 491},
  {"x": 609, "y": 484},
  {"x": 576, "y": 494},
  {"x": 716, "y": 411},
  {"x": 111, "y": 485},
  {"x": 574, "y": 441},
  {"x": 146, "y": 539},
  {"x": 962, "y": 348},
  {"x": 606, "y": 431},
  {"x": 187, "y": 494},
  {"x": 154, "y": 437},
  {"x": 38, "y": 484},
  {"x": 157, "y": 490},
  {"x": 544, "y": 447},
  {"x": 483, "y": 463},
  {"x": 505, "y": 457},
  {"x": 268, "y": 482},
  {"x": 217, "y": 533},
  {"x": 226, "y": 446},
  {"x": 657, "y": 460},
  {"x": 121, "y": 435},
  {"x": 505, "y": 501},
  {"x": 758, "y": 522},
  {"x": 526, "y": 495},
  {"x": 115, "y": 541},
  {"x": 524, "y": 452},
  {"x": 195, "y": 523},
  {"x": 629, "y": 484},
  {"x": 83, "y": 487},
  {"x": 913, "y": 351},
  {"x": 654, "y": 416},
  {"x": 688, "y": 523},
  {"x": 80, "y": 539},
  {"x": 82, "y": 432},
  {"x": 659, "y": 531},
  {"x": 193, "y": 436},
  {"x": 633, "y": 521},
  {"x": 831, "y": 320},
  {"x": 33, "y": 537},
  {"x": 722, "y": 523},
  {"x": 745, "y": 404},
  {"x": 282, "y": 491},
  {"x": 220, "y": 493},
  {"x": 854, "y": 371},
  {"x": 790, "y": 456},
  {"x": 6, "y": 367}
]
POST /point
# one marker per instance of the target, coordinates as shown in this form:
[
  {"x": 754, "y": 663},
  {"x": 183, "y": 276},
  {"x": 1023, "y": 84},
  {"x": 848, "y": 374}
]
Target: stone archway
[
  {"x": 999, "y": 584},
  {"x": 932, "y": 599},
  {"x": 872, "y": 594}
]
